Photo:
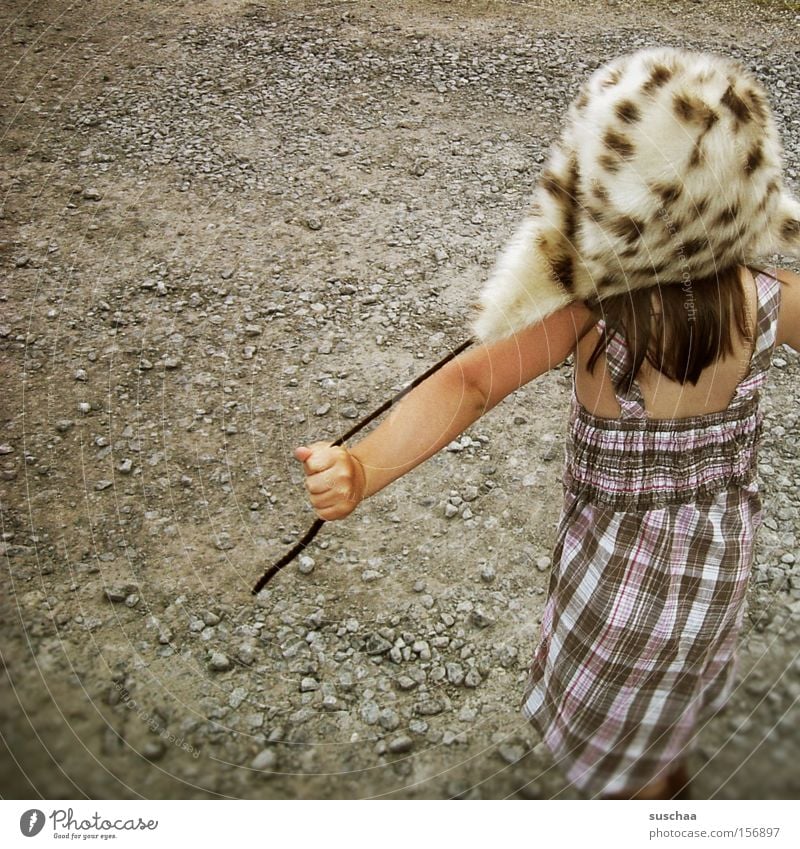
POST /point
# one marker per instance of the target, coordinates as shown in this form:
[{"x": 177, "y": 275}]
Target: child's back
[{"x": 669, "y": 399}]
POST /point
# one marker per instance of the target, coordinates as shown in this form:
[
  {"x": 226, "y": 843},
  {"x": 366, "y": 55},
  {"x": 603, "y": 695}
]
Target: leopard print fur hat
[{"x": 669, "y": 169}]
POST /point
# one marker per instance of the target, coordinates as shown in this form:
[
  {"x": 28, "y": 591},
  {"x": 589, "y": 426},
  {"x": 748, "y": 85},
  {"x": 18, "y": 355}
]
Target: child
[{"x": 655, "y": 540}]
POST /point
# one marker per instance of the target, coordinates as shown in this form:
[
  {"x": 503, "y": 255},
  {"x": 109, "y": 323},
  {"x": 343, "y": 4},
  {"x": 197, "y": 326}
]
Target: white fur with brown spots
[{"x": 669, "y": 169}]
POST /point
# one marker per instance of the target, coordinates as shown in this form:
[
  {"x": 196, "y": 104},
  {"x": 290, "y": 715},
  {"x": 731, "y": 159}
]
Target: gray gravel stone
[
  {"x": 223, "y": 542},
  {"x": 400, "y": 745},
  {"x": 370, "y": 713},
  {"x": 375, "y": 644},
  {"x": 237, "y": 697},
  {"x": 154, "y": 750},
  {"x": 246, "y": 654},
  {"x": 511, "y": 752},
  {"x": 118, "y": 593},
  {"x": 389, "y": 719},
  {"x": 480, "y": 619},
  {"x": 473, "y": 679},
  {"x": 264, "y": 761},
  {"x": 428, "y": 707},
  {"x": 219, "y": 662},
  {"x": 455, "y": 673},
  {"x": 305, "y": 564},
  {"x": 488, "y": 573}
]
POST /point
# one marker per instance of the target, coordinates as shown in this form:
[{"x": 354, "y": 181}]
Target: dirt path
[{"x": 229, "y": 228}]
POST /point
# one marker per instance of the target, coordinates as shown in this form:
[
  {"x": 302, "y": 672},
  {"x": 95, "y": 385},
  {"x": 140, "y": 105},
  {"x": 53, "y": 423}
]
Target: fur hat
[{"x": 669, "y": 169}]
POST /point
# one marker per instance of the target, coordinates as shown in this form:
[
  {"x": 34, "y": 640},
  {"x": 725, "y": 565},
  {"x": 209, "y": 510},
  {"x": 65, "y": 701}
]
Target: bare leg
[
  {"x": 680, "y": 788},
  {"x": 673, "y": 785}
]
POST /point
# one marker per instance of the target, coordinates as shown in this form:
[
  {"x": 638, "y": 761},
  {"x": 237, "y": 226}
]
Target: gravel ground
[{"x": 231, "y": 228}]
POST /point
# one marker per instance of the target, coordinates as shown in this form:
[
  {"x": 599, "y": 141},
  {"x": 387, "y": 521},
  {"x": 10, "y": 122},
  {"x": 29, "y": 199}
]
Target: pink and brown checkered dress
[{"x": 652, "y": 559}]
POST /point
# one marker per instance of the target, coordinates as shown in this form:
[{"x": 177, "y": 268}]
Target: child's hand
[{"x": 335, "y": 479}]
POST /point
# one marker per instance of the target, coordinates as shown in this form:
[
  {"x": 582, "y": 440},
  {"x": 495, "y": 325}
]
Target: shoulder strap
[
  {"x": 768, "y": 291},
  {"x": 631, "y": 403}
]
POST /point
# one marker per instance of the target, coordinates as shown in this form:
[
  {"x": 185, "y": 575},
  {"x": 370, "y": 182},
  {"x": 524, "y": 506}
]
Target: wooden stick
[{"x": 318, "y": 523}]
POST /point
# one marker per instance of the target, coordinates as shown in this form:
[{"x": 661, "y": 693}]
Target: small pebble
[
  {"x": 246, "y": 654},
  {"x": 219, "y": 662},
  {"x": 118, "y": 594},
  {"x": 473, "y": 679},
  {"x": 455, "y": 673},
  {"x": 480, "y": 619},
  {"x": 375, "y": 644},
  {"x": 370, "y": 713},
  {"x": 400, "y": 745},
  {"x": 154, "y": 750},
  {"x": 264, "y": 761},
  {"x": 389, "y": 719},
  {"x": 511, "y": 752},
  {"x": 429, "y": 707},
  {"x": 488, "y": 573},
  {"x": 223, "y": 542}
]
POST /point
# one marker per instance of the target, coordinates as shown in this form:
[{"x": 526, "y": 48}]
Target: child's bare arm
[
  {"x": 497, "y": 370},
  {"x": 437, "y": 411},
  {"x": 424, "y": 421},
  {"x": 789, "y": 315}
]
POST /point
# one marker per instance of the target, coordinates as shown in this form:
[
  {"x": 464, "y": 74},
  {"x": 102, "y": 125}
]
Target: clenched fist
[{"x": 335, "y": 479}]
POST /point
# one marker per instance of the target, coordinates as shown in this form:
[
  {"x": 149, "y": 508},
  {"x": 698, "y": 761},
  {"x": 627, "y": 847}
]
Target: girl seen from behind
[{"x": 635, "y": 259}]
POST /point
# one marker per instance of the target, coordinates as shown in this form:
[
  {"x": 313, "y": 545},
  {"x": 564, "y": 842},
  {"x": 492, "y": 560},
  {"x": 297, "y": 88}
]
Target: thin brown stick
[{"x": 318, "y": 523}]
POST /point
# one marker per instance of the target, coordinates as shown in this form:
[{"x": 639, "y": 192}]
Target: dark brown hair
[{"x": 691, "y": 332}]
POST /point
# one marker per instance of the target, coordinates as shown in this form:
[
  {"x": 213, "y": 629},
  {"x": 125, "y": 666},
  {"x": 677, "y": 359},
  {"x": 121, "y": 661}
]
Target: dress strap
[
  {"x": 768, "y": 292},
  {"x": 632, "y": 402}
]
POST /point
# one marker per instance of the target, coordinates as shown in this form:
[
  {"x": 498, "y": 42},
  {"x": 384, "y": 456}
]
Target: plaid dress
[{"x": 652, "y": 559}]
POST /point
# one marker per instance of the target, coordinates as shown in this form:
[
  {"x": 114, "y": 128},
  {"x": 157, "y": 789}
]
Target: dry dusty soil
[{"x": 228, "y": 228}]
